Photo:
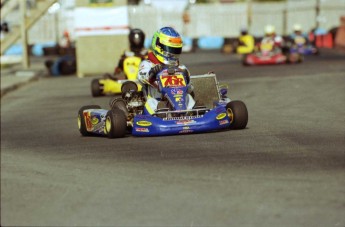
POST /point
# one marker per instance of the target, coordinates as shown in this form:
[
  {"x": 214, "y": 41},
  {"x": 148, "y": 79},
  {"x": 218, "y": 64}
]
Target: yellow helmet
[{"x": 167, "y": 45}]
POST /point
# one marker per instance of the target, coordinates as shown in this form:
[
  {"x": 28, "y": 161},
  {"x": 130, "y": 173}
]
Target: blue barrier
[{"x": 211, "y": 42}]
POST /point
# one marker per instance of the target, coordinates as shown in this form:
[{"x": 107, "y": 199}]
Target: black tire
[
  {"x": 68, "y": 67},
  {"x": 244, "y": 60},
  {"x": 300, "y": 58},
  {"x": 129, "y": 86},
  {"x": 96, "y": 89},
  {"x": 81, "y": 120},
  {"x": 119, "y": 103},
  {"x": 238, "y": 114},
  {"x": 115, "y": 123}
]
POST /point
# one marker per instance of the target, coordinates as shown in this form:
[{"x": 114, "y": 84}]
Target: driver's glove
[{"x": 153, "y": 72}]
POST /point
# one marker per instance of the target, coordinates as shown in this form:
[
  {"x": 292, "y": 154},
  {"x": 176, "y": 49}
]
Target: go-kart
[
  {"x": 266, "y": 55},
  {"x": 213, "y": 110},
  {"x": 108, "y": 85},
  {"x": 299, "y": 44}
]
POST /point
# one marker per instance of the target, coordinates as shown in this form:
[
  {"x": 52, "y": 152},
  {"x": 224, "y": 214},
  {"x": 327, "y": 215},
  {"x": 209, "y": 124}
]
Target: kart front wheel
[
  {"x": 115, "y": 123},
  {"x": 96, "y": 89},
  {"x": 81, "y": 119},
  {"x": 238, "y": 114},
  {"x": 119, "y": 103},
  {"x": 129, "y": 86},
  {"x": 244, "y": 60}
]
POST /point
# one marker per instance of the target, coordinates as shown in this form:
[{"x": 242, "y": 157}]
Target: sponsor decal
[
  {"x": 178, "y": 98},
  {"x": 223, "y": 122},
  {"x": 142, "y": 129},
  {"x": 87, "y": 118},
  {"x": 144, "y": 123},
  {"x": 173, "y": 81},
  {"x": 94, "y": 120},
  {"x": 221, "y": 116},
  {"x": 176, "y": 91},
  {"x": 185, "y": 131},
  {"x": 185, "y": 122}
]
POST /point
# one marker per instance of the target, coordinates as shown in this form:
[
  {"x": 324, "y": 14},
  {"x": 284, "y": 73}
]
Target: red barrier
[{"x": 325, "y": 41}]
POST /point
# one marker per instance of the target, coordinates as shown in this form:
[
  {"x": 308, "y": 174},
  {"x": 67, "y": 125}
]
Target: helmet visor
[{"x": 171, "y": 50}]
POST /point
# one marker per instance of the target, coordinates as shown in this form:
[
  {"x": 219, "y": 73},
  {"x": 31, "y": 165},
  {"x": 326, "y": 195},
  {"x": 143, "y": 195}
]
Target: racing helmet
[
  {"x": 167, "y": 45},
  {"x": 136, "y": 39},
  {"x": 244, "y": 31},
  {"x": 269, "y": 30},
  {"x": 297, "y": 28}
]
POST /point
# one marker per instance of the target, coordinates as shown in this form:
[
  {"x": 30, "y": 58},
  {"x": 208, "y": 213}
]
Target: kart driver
[
  {"x": 246, "y": 42},
  {"x": 166, "y": 48},
  {"x": 136, "y": 40},
  {"x": 271, "y": 40},
  {"x": 298, "y": 37}
]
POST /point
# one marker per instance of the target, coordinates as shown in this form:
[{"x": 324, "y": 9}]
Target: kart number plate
[{"x": 173, "y": 81}]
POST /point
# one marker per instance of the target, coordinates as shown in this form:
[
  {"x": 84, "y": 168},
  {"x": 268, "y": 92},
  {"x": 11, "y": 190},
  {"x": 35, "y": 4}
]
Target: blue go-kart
[{"x": 177, "y": 112}]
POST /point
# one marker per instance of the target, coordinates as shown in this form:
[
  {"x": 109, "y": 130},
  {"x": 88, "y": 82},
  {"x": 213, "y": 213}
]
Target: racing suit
[
  {"x": 275, "y": 42},
  {"x": 150, "y": 88},
  {"x": 299, "y": 39},
  {"x": 246, "y": 44},
  {"x": 141, "y": 54},
  {"x": 118, "y": 72}
]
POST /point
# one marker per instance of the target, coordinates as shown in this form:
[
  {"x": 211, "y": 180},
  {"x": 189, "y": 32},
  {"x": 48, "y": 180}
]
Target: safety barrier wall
[
  {"x": 330, "y": 13},
  {"x": 303, "y": 13},
  {"x": 223, "y": 20},
  {"x": 267, "y": 13},
  {"x": 226, "y": 20}
]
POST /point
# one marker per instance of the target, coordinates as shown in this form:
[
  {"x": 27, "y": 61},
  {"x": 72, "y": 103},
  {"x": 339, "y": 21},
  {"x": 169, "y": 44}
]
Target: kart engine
[{"x": 135, "y": 102}]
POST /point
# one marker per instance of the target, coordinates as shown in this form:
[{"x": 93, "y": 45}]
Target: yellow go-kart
[{"x": 108, "y": 86}]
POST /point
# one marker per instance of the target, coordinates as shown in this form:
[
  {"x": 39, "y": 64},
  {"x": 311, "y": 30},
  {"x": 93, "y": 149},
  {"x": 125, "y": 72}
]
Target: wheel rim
[
  {"x": 230, "y": 114},
  {"x": 79, "y": 122},
  {"x": 108, "y": 125}
]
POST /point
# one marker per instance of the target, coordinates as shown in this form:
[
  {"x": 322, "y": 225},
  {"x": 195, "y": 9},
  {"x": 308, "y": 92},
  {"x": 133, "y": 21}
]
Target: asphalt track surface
[{"x": 285, "y": 169}]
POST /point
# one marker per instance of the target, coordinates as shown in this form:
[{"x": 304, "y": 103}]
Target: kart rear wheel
[
  {"x": 238, "y": 114},
  {"x": 300, "y": 59},
  {"x": 115, "y": 123},
  {"x": 81, "y": 119},
  {"x": 244, "y": 60},
  {"x": 96, "y": 89}
]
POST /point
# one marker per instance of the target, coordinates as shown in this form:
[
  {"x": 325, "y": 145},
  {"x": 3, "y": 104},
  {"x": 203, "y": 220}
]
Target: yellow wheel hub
[
  {"x": 79, "y": 122},
  {"x": 230, "y": 114},
  {"x": 108, "y": 125}
]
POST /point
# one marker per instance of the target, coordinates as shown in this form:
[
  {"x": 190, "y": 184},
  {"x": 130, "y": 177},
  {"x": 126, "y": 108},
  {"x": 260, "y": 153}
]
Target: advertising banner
[{"x": 101, "y": 21}]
